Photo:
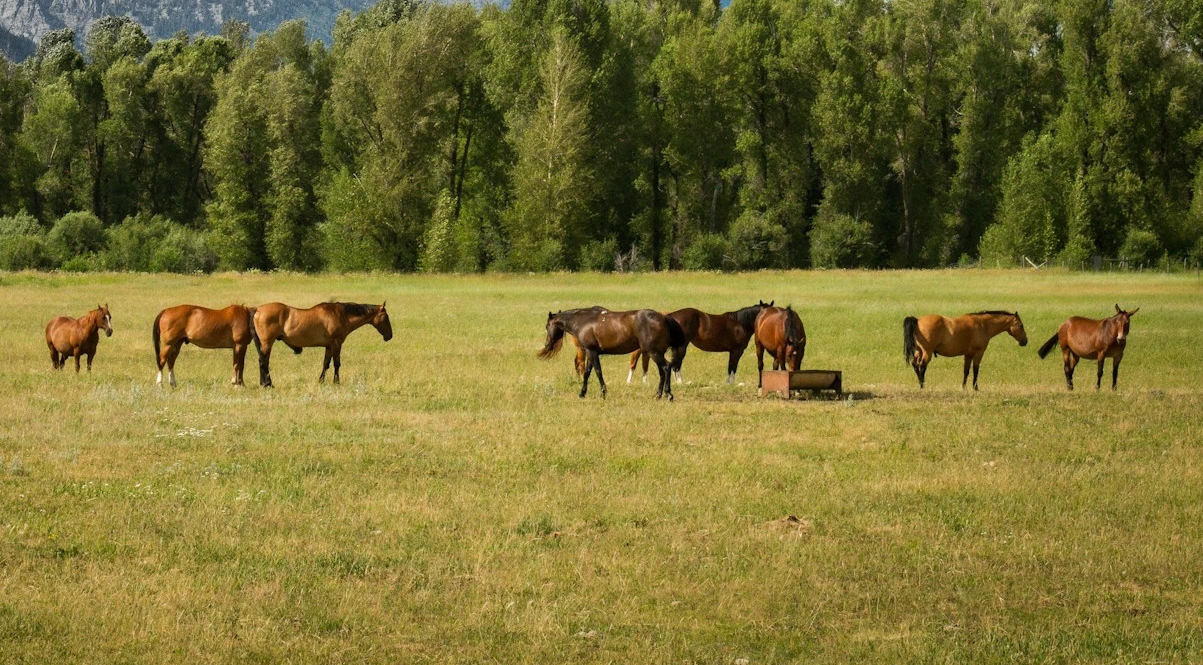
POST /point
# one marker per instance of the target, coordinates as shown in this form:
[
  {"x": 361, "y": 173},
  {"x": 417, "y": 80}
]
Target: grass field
[{"x": 454, "y": 501}]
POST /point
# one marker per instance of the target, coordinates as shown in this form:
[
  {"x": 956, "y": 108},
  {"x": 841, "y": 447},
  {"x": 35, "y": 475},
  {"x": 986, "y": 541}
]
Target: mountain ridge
[{"x": 23, "y": 23}]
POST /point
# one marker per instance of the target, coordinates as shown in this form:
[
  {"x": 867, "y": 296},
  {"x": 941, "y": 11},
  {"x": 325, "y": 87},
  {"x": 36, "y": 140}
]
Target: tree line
[{"x": 614, "y": 134}]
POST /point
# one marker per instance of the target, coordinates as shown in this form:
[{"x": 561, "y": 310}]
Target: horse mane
[
  {"x": 356, "y": 309},
  {"x": 746, "y": 316},
  {"x": 994, "y": 312},
  {"x": 792, "y": 329}
]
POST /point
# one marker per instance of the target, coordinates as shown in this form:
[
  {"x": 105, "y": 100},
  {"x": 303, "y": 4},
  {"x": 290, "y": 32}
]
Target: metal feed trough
[{"x": 784, "y": 382}]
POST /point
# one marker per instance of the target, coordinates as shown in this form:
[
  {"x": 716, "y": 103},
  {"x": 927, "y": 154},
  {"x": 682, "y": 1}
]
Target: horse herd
[
  {"x": 236, "y": 327},
  {"x": 595, "y": 331}
]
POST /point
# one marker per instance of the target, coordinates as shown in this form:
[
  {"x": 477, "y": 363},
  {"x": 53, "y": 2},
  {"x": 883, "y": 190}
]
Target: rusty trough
[{"x": 784, "y": 382}]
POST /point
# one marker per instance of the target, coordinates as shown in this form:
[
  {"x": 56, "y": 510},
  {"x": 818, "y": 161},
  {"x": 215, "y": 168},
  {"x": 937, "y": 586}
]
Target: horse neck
[
  {"x": 356, "y": 321},
  {"x": 746, "y": 317},
  {"x": 90, "y": 322},
  {"x": 998, "y": 323}
]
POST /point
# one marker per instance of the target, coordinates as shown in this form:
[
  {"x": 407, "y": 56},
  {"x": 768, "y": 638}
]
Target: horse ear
[
  {"x": 1117, "y": 309},
  {"x": 1134, "y": 311},
  {"x": 550, "y": 316}
]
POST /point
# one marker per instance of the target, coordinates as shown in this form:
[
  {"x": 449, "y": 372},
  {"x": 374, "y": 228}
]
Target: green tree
[{"x": 551, "y": 178}]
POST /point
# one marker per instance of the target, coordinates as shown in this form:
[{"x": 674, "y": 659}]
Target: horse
[
  {"x": 600, "y": 331},
  {"x": 728, "y": 332},
  {"x": 326, "y": 325},
  {"x": 75, "y": 337},
  {"x": 780, "y": 332},
  {"x": 933, "y": 335},
  {"x": 228, "y": 328},
  {"x": 1093, "y": 339}
]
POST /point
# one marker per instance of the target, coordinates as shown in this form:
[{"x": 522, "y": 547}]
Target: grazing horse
[
  {"x": 1093, "y": 339},
  {"x": 933, "y": 335},
  {"x": 326, "y": 325},
  {"x": 228, "y": 328},
  {"x": 728, "y": 332},
  {"x": 600, "y": 331},
  {"x": 780, "y": 332},
  {"x": 75, "y": 337}
]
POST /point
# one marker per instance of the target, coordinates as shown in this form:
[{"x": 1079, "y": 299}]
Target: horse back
[{"x": 206, "y": 328}]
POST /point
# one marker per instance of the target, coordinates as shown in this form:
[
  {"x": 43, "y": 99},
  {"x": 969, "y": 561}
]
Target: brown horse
[
  {"x": 600, "y": 331},
  {"x": 1093, "y": 339},
  {"x": 326, "y": 325},
  {"x": 728, "y": 333},
  {"x": 780, "y": 332},
  {"x": 933, "y": 335},
  {"x": 228, "y": 328},
  {"x": 75, "y": 337}
]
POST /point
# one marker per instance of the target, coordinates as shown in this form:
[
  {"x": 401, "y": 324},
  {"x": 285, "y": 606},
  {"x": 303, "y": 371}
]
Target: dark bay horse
[
  {"x": 1092, "y": 339},
  {"x": 228, "y": 328},
  {"x": 600, "y": 331},
  {"x": 933, "y": 335},
  {"x": 75, "y": 337},
  {"x": 728, "y": 333},
  {"x": 326, "y": 325},
  {"x": 780, "y": 332}
]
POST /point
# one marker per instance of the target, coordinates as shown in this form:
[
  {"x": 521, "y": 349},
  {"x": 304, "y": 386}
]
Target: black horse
[{"x": 599, "y": 331}]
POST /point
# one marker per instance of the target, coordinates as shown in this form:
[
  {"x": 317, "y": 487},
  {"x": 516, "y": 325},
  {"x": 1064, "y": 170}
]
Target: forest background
[{"x": 620, "y": 134}]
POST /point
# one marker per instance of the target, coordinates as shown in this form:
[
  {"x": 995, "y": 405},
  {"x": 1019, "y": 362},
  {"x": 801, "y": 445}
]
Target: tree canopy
[{"x": 604, "y": 134}]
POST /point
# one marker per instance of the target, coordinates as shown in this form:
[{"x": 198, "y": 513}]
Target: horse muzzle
[{"x": 108, "y": 332}]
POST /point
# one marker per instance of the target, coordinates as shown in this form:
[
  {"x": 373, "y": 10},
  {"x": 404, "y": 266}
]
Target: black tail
[
  {"x": 154, "y": 335},
  {"x": 910, "y": 326},
  {"x": 1048, "y": 346},
  {"x": 677, "y": 341}
]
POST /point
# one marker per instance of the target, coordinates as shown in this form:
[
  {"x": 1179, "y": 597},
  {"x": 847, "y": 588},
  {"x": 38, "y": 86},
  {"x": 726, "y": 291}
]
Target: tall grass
[{"x": 454, "y": 501}]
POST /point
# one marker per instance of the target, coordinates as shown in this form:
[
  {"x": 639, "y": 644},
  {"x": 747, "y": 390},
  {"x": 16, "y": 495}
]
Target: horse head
[
  {"x": 1017, "y": 330},
  {"x": 104, "y": 319},
  {"x": 795, "y": 339},
  {"x": 1122, "y": 320},
  {"x": 381, "y": 322},
  {"x": 555, "y": 336}
]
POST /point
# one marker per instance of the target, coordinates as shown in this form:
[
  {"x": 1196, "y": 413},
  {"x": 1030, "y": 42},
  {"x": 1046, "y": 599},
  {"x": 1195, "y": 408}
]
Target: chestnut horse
[
  {"x": 1093, "y": 339},
  {"x": 600, "y": 331},
  {"x": 780, "y": 332},
  {"x": 728, "y": 333},
  {"x": 326, "y": 325},
  {"x": 933, "y": 335},
  {"x": 75, "y": 337},
  {"x": 228, "y": 328}
]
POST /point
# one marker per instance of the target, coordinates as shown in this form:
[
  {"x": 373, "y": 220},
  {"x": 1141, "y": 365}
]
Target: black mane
[
  {"x": 356, "y": 309},
  {"x": 994, "y": 312}
]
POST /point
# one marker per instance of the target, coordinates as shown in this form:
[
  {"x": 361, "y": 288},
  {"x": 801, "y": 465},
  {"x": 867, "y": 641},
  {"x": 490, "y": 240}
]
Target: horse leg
[
  {"x": 90, "y": 355},
  {"x": 170, "y": 352},
  {"x": 338, "y": 360},
  {"x": 325, "y": 364},
  {"x": 733, "y": 365},
  {"x": 1115, "y": 371},
  {"x": 239, "y": 363},
  {"x": 759, "y": 364},
  {"x": 589, "y": 357},
  {"x": 265, "y": 357},
  {"x": 600, "y": 380},
  {"x": 634, "y": 362},
  {"x": 977, "y": 364},
  {"x": 1098, "y": 385},
  {"x": 920, "y": 365},
  {"x": 75, "y": 353},
  {"x": 1071, "y": 363},
  {"x": 665, "y": 372}
]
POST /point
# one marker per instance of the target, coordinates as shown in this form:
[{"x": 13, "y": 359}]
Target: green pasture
[{"x": 454, "y": 501}]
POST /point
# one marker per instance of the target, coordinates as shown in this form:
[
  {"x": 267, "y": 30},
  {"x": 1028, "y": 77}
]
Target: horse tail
[
  {"x": 676, "y": 334},
  {"x": 154, "y": 335},
  {"x": 250, "y": 322},
  {"x": 910, "y": 326},
  {"x": 677, "y": 341},
  {"x": 1048, "y": 346},
  {"x": 792, "y": 327}
]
